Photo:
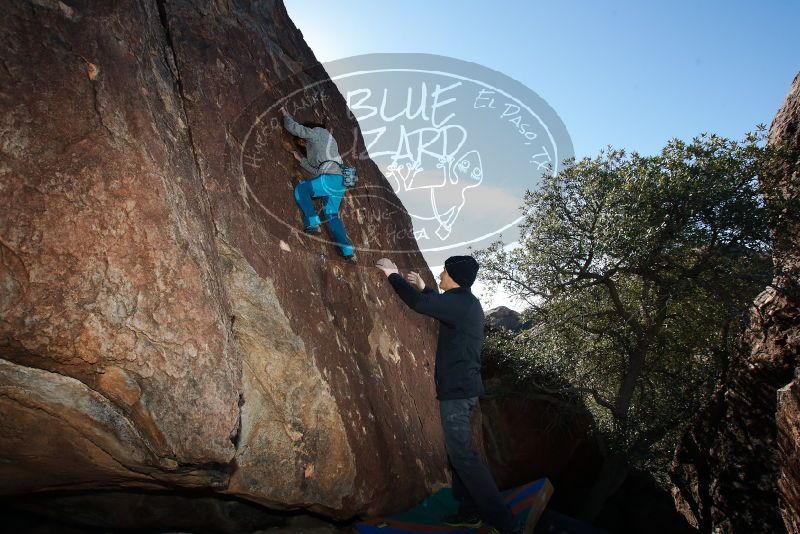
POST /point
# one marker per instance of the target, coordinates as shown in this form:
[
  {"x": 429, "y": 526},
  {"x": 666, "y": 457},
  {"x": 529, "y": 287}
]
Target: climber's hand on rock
[
  {"x": 283, "y": 111},
  {"x": 387, "y": 266},
  {"x": 297, "y": 155},
  {"x": 416, "y": 280}
]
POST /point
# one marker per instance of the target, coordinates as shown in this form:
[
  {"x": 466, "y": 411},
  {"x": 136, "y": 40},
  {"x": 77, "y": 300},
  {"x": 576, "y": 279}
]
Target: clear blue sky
[{"x": 631, "y": 74}]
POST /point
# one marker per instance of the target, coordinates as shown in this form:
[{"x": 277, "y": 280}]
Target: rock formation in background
[
  {"x": 529, "y": 438},
  {"x": 503, "y": 317},
  {"x": 737, "y": 468},
  {"x": 530, "y": 433},
  {"x": 163, "y": 323}
]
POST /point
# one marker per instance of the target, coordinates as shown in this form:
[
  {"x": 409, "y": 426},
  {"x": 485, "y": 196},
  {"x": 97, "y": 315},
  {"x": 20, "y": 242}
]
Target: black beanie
[{"x": 462, "y": 269}]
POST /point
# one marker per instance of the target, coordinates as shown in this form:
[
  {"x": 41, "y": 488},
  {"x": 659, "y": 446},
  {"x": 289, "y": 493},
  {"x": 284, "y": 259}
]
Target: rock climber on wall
[
  {"x": 457, "y": 373},
  {"x": 321, "y": 160}
]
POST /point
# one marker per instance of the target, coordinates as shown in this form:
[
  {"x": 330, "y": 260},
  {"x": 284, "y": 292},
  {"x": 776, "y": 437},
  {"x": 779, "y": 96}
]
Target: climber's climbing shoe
[
  {"x": 313, "y": 230},
  {"x": 351, "y": 258}
]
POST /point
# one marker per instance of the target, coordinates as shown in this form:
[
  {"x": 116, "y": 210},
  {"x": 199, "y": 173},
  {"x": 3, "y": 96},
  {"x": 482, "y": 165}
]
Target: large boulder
[
  {"x": 527, "y": 438},
  {"x": 162, "y": 321},
  {"x": 737, "y": 468},
  {"x": 783, "y": 336}
]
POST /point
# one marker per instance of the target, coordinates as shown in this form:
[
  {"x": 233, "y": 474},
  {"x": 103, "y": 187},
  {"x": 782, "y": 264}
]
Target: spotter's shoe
[
  {"x": 460, "y": 520},
  {"x": 518, "y": 528}
]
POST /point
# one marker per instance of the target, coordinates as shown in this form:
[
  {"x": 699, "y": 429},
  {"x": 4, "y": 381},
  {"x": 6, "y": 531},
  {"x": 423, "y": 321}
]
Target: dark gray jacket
[
  {"x": 320, "y": 146},
  {"x": 458, "y": 351}
]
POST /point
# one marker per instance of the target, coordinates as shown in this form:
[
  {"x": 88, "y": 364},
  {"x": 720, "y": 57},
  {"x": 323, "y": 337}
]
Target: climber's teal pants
[{"x": 331, "y": 188}]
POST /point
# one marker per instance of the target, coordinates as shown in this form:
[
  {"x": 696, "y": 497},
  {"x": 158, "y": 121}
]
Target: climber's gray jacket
[
  {"x": 320, "y": 146},
  {"x": 457, "y": 371}
]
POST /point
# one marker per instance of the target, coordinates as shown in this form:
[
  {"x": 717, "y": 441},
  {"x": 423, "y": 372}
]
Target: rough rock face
[
  {"x": 162, "y": 321},
  {"x": 784, "y": 336},
  {"x": 737, "y": 468},
  {"x": 788, "y": 422}
]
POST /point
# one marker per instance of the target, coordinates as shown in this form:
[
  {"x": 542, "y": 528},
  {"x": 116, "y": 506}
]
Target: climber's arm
[
  {"x": 295, "y": 128},
  {"x": 428, "y": 302}
]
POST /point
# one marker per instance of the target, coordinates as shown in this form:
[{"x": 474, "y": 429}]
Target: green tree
[{"x": 636, "y": 271}]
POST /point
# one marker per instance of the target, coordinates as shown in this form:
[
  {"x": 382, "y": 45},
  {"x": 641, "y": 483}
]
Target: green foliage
[{"x": 637, "y": 271}]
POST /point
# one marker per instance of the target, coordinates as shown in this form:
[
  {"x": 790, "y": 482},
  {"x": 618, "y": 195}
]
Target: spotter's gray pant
[{"x": 473, "y": 485}]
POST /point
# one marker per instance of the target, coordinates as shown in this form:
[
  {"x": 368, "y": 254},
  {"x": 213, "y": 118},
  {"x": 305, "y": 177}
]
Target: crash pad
[{"x": 527, "y": 502}]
